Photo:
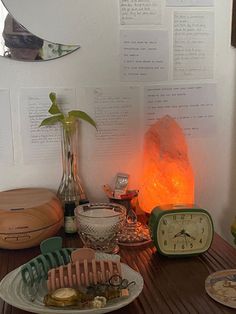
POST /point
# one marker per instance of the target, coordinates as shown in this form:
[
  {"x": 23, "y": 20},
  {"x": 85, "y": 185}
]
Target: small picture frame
[{"x": 233, "y": 31}]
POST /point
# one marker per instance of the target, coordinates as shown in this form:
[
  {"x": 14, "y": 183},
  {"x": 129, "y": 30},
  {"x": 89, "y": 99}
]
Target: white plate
[
  {"x": 13, "y": 291},
  {"x": 221, "y": 286}
]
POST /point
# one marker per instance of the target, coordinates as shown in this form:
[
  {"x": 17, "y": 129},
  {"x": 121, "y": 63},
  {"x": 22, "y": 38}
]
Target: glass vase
[{"x": 70, "y": 189}]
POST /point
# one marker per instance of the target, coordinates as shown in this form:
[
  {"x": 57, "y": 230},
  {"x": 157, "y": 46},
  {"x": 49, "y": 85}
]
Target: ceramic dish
[
  {"x": 221, "y": 286},
  {"x": 13, "y": 291}
]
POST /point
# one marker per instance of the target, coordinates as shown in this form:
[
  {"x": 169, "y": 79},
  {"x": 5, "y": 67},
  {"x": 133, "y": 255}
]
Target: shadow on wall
[{"x": 229, "y": 211}]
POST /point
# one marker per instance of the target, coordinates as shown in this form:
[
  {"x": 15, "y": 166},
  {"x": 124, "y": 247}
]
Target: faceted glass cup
[{"x": 99, "y": 225}]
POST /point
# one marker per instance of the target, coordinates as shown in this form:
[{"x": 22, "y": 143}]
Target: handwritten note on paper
[
  {"x": 193, "y": 106},
  {"x": 6, "y": 139},
  {"x": 193, "y": 45},
  {"x": 140, "y": 12},
  {"x": 144, "y": 55},
  {"x": 116, "y": 112},
  {"x": 40, "y": 143},
  {"x": 189, "y": 3}
]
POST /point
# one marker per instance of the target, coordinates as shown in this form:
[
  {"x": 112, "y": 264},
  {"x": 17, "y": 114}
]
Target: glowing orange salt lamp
[{"x": 167, "y": 176}]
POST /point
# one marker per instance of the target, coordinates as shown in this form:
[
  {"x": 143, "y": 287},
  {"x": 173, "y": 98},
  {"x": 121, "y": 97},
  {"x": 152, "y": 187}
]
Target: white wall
[
  {"x": 214, "y": 158},
  {"x": 97, "y": 63}
]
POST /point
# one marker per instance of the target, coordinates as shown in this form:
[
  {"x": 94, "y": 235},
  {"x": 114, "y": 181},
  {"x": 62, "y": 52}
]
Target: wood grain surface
[{"x": 171, "y": 285}]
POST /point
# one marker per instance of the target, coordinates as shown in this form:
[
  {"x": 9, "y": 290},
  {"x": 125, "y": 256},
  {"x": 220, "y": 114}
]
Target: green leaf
[
  {"x": 53, "y": 97},
  {"x": 58, "y": 116},
  {"x": 52, "y": 120},
  {"x": 83, "y": 116},
  {"x": 54, "y": 109}
]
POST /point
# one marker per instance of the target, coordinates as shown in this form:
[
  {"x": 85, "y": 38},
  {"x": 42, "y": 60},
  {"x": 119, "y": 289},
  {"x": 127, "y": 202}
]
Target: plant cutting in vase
[{"x": 70, "y": 189}]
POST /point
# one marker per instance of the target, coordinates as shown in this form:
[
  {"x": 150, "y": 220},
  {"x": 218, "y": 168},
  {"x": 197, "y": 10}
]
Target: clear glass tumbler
[{"x": 99, "y": 225}]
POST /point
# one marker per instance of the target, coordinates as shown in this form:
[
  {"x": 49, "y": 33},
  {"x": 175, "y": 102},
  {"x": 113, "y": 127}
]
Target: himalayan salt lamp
[{"x": 167, "y": 176}]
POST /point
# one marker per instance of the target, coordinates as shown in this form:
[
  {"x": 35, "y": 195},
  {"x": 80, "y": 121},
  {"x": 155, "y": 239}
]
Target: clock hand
[
  {"x": 188, "y": 235},
  {"x": 184, "y": 234},
  {"x": 179, "y": 234}
]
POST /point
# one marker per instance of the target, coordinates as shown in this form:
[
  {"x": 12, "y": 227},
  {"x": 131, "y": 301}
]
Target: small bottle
[{"x": 70, "y": 225}]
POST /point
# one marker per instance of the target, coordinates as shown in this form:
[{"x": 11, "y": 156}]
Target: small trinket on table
[
  {"x": 86, "y": 282},
  {"x": 134, "y": 233},
  {"x": 93, "y": 296}
]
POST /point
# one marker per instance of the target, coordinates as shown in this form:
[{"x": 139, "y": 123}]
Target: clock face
[{"x": 184, "y": 233}]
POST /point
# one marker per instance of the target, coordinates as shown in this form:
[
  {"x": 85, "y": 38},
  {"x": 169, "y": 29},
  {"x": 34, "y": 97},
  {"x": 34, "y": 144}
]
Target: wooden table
[{"x": 170, "y": 285}]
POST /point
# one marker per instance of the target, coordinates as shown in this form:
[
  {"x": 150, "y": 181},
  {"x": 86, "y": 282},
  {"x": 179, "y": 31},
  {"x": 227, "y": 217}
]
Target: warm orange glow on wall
[{"x": 167, "y": 176}]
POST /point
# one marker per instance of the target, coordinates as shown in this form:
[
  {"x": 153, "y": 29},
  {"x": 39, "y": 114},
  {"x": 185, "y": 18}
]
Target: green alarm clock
[{"x": 181, "y": 230}]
